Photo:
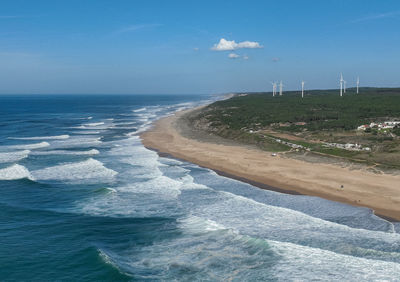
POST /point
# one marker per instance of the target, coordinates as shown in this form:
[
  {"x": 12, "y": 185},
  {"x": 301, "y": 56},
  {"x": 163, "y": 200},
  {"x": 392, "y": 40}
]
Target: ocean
[{"x": 81, "y": 199}]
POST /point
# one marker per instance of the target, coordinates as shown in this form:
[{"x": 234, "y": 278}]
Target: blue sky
[{"x": 167, "y": 46}]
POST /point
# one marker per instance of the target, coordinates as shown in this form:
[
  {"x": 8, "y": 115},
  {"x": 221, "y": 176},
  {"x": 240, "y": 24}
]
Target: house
[{"x": 363, "y": 127}]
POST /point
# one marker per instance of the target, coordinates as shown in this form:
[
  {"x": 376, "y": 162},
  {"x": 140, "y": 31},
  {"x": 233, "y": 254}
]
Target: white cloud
[
  {"x": 249, "y": 44},
  {"x": 227, "y": 45},
  {"x": 245, "y": 57},
  {"x": 196, "y": 49},
  {"x": 233, "y": 56},
  {"x": 377, "y": 16}
]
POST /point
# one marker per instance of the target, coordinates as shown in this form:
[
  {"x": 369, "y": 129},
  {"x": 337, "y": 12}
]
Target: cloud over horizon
[
  {"x": 230, "y": 45},
  {"x": 233, "y": 56}
]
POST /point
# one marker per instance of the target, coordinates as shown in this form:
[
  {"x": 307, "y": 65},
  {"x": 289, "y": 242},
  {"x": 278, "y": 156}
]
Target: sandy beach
[{"x": 380, "y": 192}]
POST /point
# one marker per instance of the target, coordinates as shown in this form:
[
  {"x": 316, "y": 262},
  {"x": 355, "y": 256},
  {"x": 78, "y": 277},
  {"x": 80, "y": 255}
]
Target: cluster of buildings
[
  {"x": 380, "y": 125},
  {"x": 292, "y": 145},
  {"x": 348, "y": 146}
]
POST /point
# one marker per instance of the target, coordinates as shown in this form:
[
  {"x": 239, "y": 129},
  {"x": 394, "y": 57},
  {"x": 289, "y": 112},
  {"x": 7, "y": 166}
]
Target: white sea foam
[
  {"x": 58, "y": 137},
  {"x": 77, "y": 142},
  {"x": 15, "y": 172},
  {"x": 87, "y": 132},
  {"x": 66, "y": 152},
  {"x": 93, "y": 124},
  {"x": 196, "y": 225},
  {"x": 125, "y": 123},
  {"x": 90, "y": 170},
  {"x": 106, "y": 258},
  {"x": 28, "y": 146},
  {"x": 160, "y": 186},
  {"x": 10, "y": 157},
  {"x": 275, "y": 223},
  {"x": 139, "y": 110},
  {"x": 306, "y": 264}
]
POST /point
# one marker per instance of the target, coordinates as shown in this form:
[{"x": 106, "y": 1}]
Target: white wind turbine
[
  {"x": 358, "y": 83},
  {"x": 273, "y": 88},
  {"x": 280, "y": 88},
  {"x": 341, "y": 85},
  {"x": 302, "y": 88},
  {"x": 344, "y": 86}
]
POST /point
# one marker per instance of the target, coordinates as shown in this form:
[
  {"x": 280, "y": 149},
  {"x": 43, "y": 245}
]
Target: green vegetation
[
  {"x": 322, "y": 117},
  {"x": 319, "y": 109}
]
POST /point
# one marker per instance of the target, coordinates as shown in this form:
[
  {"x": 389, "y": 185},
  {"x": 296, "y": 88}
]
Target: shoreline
[{"x": 172, "y": 136}]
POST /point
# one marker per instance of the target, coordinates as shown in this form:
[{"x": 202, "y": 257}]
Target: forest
[{"x": 318, "y": 110}]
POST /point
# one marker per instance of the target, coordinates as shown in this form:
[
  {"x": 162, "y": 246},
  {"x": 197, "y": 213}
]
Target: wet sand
[{"x": 174, "y": 136}]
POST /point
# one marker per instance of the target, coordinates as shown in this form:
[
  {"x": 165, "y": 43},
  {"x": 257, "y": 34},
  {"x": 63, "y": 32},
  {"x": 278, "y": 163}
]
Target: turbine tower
[
  {"x": 358, "y": 83},
  {"x": 302, "y": 89},
  {"x": 341, "y": 85},
  {"x": 280, "y": 88},
  {"x": 273, "y": 88},
  {"x": 344, "y": 86}
]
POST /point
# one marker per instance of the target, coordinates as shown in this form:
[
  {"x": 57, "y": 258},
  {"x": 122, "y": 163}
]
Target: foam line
[
  {"x": 58, "y": 137},
  {"x": 28, "y": 146},
  {"x": 10, "y": 157},
  {"x": 66, "y": 152}
]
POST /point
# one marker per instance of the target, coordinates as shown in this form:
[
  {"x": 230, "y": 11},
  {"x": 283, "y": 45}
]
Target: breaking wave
[
  {"x": 94, "y": 124},
  {"x": 90, "y": 170},
  {"x": 11, "y": 157},
  {"x": 15, "y": 172},
  {"x": 65, "y": 152},
  {"x": 28, "y": 146}
]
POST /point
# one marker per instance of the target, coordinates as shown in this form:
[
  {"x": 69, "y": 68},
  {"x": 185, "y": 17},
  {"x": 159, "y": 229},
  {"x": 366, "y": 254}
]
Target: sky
[{"x": 195, "y": 47}]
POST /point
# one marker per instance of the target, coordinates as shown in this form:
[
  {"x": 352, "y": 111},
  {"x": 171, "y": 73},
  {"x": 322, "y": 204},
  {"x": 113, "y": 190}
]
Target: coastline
[{"x": 173, "y": 136}]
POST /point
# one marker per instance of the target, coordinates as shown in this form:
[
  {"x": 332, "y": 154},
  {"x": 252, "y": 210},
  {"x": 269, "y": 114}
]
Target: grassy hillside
[{"x": 281, "y": 123}]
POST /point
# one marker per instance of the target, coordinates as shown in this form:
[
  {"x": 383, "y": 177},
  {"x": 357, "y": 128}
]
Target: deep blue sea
[{"x": 81, "y": 199}]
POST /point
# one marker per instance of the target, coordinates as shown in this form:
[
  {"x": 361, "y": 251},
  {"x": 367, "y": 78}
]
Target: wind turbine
[
  {"x": 341, "y": 85},
  {"x": 344, "y": 86},
  {"x": 273, "y": 88},
  {"x": 358, "y": 83},
  {"x": 280, "y": 88},
  {"x": 302, "y": 88}
]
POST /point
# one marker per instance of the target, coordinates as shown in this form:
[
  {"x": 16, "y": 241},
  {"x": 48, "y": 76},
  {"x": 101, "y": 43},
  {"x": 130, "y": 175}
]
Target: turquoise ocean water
[{"x": 81, "y": 199}]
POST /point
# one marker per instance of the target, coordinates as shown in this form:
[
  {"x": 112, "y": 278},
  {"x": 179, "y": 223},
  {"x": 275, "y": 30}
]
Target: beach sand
[{"x": 174, "y": 136}]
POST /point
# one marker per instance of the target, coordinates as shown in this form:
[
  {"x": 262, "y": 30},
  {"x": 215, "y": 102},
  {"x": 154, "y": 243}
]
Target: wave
[
  {"x": 355, "y": 217},
  {"x": 65, "y": 152},
  {"x": 281, "y": 224},
  {"x": 85, "y": 118},
  {"x": 28, "y": 146},
  {"x": 125, "y": 123},
  {"x": 87, "y": 132},
  {"x": 15, "y": 172},
  {"x": 11, "y": 157},
  {"x": 109, "y": 261},
  {"x": 140, "y": 130},
  {"x": 58, "y": 137},
  {"x": 139, "y": 110},
  {"x": 77, "y": 141},
  {"x": 306, "y": 263},
  {"x": 288, "y": 260},
  {"x": 90, "y": 170},
  {"x": 93, "y": 123}
]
